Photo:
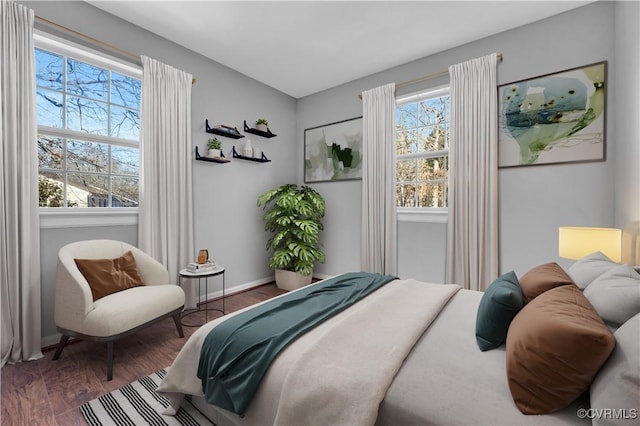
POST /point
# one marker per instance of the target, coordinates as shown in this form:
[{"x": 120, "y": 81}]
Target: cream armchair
[{"x": 119, "y": 314}]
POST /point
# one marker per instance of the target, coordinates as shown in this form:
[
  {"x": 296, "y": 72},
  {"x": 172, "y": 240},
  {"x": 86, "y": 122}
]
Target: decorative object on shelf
[
  {"x": 220, "y": 159},
  {"x": 257, "y": 153},
  {"x": 553, "y": 118},
  {"x": 247, "y": 151},
  {"x": 293, "y": 216},
  {"x": 265, "y": 134},
  {"x": 203, "y": 256},
  {"x": 261, "y": 159},
  {"x": 262, "y": 124},
  {"x": 333, "y": 151},
  {"x": 213, "y": 145},
  {"x": 221, "y": 130}
]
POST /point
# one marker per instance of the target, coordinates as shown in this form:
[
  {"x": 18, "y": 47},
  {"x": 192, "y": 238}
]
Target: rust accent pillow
[
  {"x": 542, "y": 278},
  {"x": 106, "y": 276},
  {"x": 555, "y": 346}
]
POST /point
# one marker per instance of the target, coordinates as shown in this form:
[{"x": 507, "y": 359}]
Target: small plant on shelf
[
  {"x": 214, "y": 146},
  {"x": 261, "y": 124}
]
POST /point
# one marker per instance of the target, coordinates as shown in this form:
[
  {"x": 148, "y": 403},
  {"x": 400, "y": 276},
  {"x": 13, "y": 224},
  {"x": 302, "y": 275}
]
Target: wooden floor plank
[{"x": 47, "y": 392}]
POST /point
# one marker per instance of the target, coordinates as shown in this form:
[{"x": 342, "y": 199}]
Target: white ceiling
[{"x": 303, "y": 47}]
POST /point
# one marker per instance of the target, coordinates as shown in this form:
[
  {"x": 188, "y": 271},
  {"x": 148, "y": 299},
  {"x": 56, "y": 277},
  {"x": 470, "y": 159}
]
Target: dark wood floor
[{"x": 47, "y": 392}]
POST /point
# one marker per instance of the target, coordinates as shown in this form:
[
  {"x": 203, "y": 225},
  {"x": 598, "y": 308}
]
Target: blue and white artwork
[{"x": 555, "y": 118}]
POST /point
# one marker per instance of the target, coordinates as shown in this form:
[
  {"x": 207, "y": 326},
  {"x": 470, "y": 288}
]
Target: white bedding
[
  {"x": 317, "y": 380},
  {"x": 444, "y": 379}
]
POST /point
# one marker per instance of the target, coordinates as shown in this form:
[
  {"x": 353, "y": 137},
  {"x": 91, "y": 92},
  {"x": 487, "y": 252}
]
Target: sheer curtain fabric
[
  {"x": 472, "y": 235},
  {"x": 379, "y": 227},
  {"x": 165, "y": 225},
  {"x": 19, "y": 227}
]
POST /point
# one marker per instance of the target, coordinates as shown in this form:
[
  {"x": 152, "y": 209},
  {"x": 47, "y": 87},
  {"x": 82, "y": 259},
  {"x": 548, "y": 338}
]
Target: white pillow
[
  {"x": 617, "y": 384},
  {"x": 615, "y": 295},
  {"x": 590, "y": 267}
]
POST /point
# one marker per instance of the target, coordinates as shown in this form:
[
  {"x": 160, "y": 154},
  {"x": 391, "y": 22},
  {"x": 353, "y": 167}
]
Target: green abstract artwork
[
  {"x": 555, "y": 118},
  {"x": 333, "y": 151}
]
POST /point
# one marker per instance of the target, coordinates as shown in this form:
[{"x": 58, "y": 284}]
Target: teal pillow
[{"x": 501, "y": 301}]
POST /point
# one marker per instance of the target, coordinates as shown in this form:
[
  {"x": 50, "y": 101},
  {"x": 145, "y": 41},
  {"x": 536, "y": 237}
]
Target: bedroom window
[
  {"x": 88, "y": 109},
  {"x": 422, "y": 152}
]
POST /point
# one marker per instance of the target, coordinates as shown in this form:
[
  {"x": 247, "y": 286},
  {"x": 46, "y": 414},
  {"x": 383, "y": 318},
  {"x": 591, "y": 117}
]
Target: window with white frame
[
  {"x": 88, "y": 109},
  {"x": 422, "y": 151}
]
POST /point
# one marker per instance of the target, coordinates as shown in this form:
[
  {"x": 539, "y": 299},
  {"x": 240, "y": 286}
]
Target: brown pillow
[
  {"x": 106, "y": 276},
  {"x": 542, "y": 278},
  {"x": 555, "y": 346}
]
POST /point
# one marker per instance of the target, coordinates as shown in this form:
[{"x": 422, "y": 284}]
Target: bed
[{"x": 337, "y": 373}]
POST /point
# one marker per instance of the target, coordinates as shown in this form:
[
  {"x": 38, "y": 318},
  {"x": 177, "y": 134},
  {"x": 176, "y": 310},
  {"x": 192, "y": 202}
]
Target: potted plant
[
  {"x": 213, "y": 145},
  {"x": 261, "y": 124},
  {"x": 293, "y": 215}
]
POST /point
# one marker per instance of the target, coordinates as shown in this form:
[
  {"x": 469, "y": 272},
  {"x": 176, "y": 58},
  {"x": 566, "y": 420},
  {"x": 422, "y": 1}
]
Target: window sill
[
  {"x": 422, "y": 215},
  {"x": 86, "y": 218}
]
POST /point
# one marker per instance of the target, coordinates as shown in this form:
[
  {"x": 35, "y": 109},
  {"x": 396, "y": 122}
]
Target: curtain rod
[
  {"x": 427, "y": 77},
  {"x": 95, "y": 41}
]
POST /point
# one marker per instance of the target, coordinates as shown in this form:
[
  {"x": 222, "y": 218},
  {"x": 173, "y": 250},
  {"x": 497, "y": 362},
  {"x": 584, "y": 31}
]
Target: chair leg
[
  {"x": 63, "y": 341},
  {"x": 109, "y": 361},
  {"x": 178, "y": 320}
]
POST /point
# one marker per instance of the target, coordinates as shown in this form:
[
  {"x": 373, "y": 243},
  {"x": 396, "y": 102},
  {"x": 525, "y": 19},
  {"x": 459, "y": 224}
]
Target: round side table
[{"x": 218, "y": 270}]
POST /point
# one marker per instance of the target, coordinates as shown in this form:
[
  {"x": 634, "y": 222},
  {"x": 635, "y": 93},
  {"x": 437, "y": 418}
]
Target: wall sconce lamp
[{"x": 577, "y": 242}]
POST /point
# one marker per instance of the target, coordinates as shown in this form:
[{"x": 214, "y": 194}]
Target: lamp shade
[{"x": 577, "y": 242}]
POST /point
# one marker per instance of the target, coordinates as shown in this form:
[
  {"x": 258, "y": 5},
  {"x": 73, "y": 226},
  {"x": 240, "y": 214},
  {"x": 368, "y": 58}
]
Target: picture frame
[
  {"x": 554, "y": 118},
  {"x": 333, "y": 152}
]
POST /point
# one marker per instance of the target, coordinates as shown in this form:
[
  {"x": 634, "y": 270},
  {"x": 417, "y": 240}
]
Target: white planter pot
[
  {"x": 289, "y": 280},
  {"x": 213, "y": 153},
  {"x": 261, "y": 127}
]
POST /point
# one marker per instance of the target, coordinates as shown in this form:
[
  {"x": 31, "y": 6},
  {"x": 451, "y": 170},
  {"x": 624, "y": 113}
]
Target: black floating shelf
[
  {"x": 266, "y": 134},
  {"x": 258, "y": 160},
  {"x": 220, "y": 159},
  {"x": 227, "y": 132}
]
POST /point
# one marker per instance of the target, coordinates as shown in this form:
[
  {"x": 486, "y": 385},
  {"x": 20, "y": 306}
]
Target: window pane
[
  {"x": 87, "y": 80},
  {"x": 50, "y": 152},
  {"x": 125, "y": 91},
  {"x": 432, "y": 168},
  {"x": 124, "y": 192},
  {"x": 434, "y": 110},
  {"x": 49, "y": 108},
  {"x": 406, "y": 116},
  {"x": 432, "y": 138},
  {"x": 405, "y": 195},
  {"x": 87, "y": 156},
  {"x": 406, "y": 170},
  {"x": 125, "y": 161},
  {"x": 50, "y": 189},
  {"x": 430, "y": 194},
  {"x": 125, "y": 123},
  {"x": 85, "y": 190},
  {"x": 87, "y": 116},
  {"x": 49, "y": 70},
  {"x": 406, "y": 142}
]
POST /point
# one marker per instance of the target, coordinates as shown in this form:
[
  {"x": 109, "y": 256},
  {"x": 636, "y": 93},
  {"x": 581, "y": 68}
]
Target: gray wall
[
  {"x": 226, "y": 218},
  {"x": 534, "y": 201}
]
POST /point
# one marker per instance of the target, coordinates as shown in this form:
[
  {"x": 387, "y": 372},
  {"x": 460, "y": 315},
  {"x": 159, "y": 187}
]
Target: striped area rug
[{"x": 137, "y": 404}]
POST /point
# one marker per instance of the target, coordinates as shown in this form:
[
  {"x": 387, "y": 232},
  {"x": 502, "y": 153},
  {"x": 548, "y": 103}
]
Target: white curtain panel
[
  {"x": 19, "y": 222},
  {"x": 165, "y": 225},
  {"x": 379, "y": 228},
  {"x": 472, "y": 237}
]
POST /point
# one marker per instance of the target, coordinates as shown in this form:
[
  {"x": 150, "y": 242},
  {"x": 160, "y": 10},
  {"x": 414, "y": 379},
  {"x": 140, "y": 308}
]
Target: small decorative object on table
[
  {"x": 201, "y": 267},
  {"x": 214, "y": 145},
  {"x": 203, "y": 256}
]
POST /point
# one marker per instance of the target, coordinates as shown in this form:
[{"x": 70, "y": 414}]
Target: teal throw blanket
[{"x": 238, "y": 352}]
